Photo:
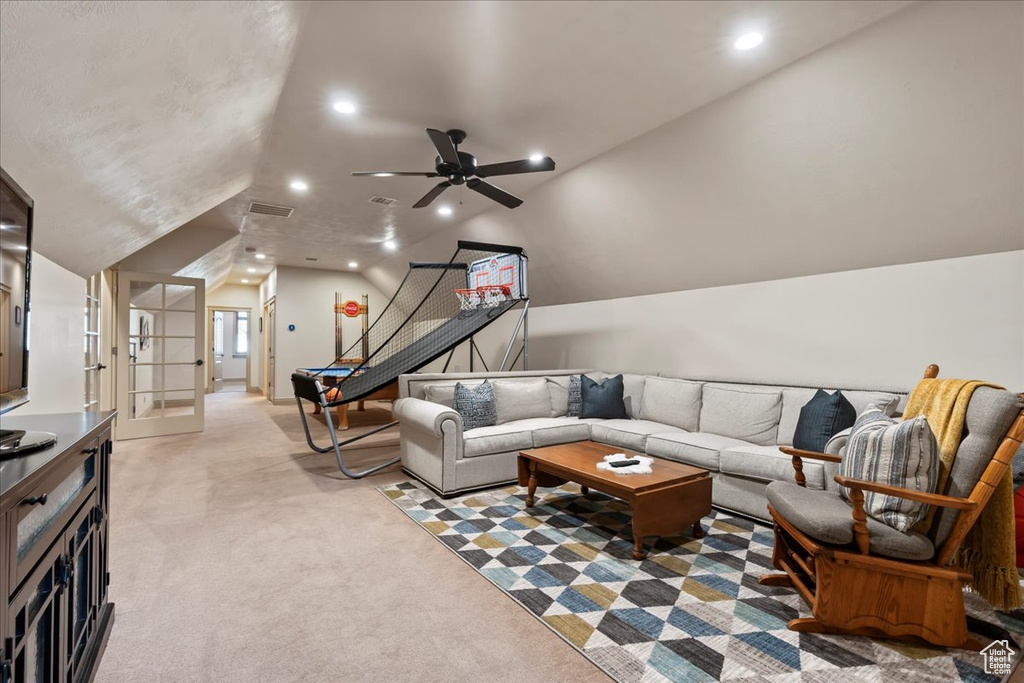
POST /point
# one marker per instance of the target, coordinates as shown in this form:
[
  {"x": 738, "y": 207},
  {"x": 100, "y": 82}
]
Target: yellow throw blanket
[{"x": 989, "y": 551}]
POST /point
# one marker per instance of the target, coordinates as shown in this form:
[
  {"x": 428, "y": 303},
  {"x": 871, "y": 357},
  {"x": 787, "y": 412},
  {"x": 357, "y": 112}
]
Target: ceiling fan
[{"x": 460, "y": 169}]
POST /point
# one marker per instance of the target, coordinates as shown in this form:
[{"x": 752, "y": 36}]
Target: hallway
[{"x": 239, "y": 555}]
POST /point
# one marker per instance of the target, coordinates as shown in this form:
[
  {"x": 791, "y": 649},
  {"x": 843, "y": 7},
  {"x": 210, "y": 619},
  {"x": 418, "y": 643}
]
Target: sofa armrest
[{"x": 424, "y": 415}]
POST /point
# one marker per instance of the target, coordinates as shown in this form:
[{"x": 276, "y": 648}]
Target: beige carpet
[{"x": 238, "y": 555}]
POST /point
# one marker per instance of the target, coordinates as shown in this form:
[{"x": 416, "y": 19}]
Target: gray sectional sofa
[{"x": 733, "y": 430}]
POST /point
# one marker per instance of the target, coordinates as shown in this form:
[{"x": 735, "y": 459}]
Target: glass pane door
[
  {"x": 92, "y": 342},
  {"x": 160, "y": 374}
]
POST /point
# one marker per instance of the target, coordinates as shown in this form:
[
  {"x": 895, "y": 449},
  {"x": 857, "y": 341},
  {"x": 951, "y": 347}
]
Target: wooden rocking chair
[{"x": 864, "y": 578}]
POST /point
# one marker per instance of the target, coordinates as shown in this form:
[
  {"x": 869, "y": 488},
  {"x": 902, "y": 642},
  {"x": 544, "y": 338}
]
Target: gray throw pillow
[
  {"x": 603, "y": 399},
  {"x": 476, "y": 406},
  {"x": 575, "y": 396},
  {"x": 903, "y": 454}
]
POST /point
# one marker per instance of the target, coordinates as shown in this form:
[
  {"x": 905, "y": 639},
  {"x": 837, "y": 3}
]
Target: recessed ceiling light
[
  {"x": 299, "y": 185},
  {"x": 251, "y": 270},
  {"x": 353, "y": 264},
  {"x": 390, "y": 245},
  {"x": 445, "y": 210},
  {"x": 261, "y": 256},
  {"x": 536, "y": 157},
  {"x": 383, "y": 175},
  {"x": 343, "y": 107},
  {"x": 244, "y": 281},
  {"x": 748, "y": 41}
]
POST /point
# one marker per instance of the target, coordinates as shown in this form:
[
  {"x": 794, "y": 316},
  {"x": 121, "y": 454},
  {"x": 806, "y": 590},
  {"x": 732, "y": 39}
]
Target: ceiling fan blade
[
  {"x": 512, "y": 167},
  {"x": 432, "y": 195},
  {"x": 445, "y": 148},
  {"x": 496, "y": 193},
  {"x": 388, "y": 174}
]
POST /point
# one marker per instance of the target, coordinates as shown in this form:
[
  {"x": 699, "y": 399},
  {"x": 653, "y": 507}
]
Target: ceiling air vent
[
  {"x": 271, "y": 209},
  {"x": 384, "y": 201}
]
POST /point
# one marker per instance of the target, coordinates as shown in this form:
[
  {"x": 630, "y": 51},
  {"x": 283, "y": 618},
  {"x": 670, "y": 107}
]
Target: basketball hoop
[{"x": 486, "y": 296}]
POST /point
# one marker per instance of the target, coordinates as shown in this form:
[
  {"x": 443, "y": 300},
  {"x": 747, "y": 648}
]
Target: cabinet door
[
  {"x": 82, "y": 595},
  {"x": 35, "y": 613}
]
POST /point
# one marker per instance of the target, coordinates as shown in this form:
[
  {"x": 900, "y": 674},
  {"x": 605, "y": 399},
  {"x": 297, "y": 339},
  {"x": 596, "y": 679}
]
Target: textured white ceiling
[
  {"x": 572, "y": 79},
  {"x": 124, "y": 120}
]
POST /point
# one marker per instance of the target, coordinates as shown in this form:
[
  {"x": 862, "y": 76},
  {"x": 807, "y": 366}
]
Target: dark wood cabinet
[{"x": 55, "y": 615}]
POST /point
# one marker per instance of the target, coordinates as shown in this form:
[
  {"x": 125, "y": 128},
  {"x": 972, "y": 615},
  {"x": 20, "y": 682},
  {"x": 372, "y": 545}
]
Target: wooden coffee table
[{"x": 667, "y": 502}]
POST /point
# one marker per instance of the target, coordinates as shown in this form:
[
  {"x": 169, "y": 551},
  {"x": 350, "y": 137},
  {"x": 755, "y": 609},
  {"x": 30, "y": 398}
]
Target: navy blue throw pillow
[
  {"x": 823, "y": 417},
  {"x": 604, "y": 398}
]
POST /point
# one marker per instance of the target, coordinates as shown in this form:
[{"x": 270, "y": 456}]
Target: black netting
[{"x": 427, "y": 318}]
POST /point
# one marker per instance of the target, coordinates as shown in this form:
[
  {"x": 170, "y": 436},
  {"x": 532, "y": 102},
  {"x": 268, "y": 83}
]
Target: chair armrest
[
  {"x": 798, "y": 453},
  {"x": 424, "y": 415},
  {"x": 908, "y": 494}
]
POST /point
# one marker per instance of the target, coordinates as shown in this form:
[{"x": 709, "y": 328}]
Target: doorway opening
[{"x": 230, "y": 349}]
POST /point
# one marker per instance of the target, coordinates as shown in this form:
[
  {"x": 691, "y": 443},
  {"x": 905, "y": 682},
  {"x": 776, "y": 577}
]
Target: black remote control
[{"x": 624, "y": 463}]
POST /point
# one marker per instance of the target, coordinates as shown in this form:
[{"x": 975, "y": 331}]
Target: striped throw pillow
[
  {"x": 903, "y": 454},
  {"x": 475, "y": 405}
]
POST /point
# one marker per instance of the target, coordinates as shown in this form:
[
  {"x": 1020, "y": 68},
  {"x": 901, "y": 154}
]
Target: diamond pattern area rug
[{"x": 691, "y": 611}]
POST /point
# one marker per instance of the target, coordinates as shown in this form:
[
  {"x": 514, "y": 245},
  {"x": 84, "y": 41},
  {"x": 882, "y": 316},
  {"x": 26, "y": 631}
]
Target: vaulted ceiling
[
  {"x": 125, "y": 120},
  {"x": 133, "y": 119}
]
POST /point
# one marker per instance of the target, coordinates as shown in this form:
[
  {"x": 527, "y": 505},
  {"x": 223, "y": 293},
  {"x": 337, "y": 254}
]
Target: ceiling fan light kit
[{"x": 460, "y": 168}]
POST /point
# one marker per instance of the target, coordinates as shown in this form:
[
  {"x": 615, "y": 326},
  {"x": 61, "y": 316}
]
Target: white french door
[{"x": 160, "y": 351}]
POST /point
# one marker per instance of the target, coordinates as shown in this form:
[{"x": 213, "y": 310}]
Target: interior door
[
  {"x": 160, "y": 376},
  {"x": 271, "y": 345}
]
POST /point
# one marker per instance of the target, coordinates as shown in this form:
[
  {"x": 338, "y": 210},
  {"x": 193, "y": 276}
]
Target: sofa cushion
[
  {"x": 548, "y": 431},
  {"x": 745, "y": 413},
  {"x": 603, "y": 398},
  {"x": 631, "y": 434},
  {"x": 496, "y": 439},
  {"x": 903, "y": 454},
  {"x": 475, "y": 406},
  {"x": 520, "y": 399},
  {"x": 768, "y": 463},
  {"x": 885, "y": 401},
  {"x": 558, "y": 394},
  {"x": 444, "y": 392},
  {"x": 795, "y": 398},
  {"x": 700, "y": 449},
  {"x": 827, "y": 517},
  {"x": 823, "y": 417},
  {"x": 673, "y": 402}
]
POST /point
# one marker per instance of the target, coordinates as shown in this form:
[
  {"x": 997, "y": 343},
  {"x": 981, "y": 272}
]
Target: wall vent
[
  {"x": 271, "y": 209},
  {"x": 384, "y": 201}
]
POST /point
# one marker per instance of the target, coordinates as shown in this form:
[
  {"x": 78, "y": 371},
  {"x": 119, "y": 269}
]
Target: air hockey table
[{"x": 332, "y": 376}]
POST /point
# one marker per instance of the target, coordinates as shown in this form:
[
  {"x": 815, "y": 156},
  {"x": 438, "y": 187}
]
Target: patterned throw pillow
[
  {"x": 575, "y": 396},
  {"x": 475, "y": 405},
  {"x": 903, "y": 454}
]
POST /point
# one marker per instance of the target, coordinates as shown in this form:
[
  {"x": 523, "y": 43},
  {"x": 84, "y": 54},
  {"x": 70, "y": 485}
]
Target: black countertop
[{"x": 69, "y": 428}]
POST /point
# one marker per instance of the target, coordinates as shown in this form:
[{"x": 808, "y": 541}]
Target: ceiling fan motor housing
[{"x": 457, "y": 176}]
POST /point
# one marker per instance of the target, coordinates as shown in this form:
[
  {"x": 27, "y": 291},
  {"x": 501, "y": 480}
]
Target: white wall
[
  {"x": 305, "y": 298},
  {"x": 243, "y": 296},
  {"x": 872, "y": 328},
  {"x": 56, "y": 363}
]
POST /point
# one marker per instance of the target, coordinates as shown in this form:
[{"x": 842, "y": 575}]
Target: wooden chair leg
[{"x": 343, "y": 416}]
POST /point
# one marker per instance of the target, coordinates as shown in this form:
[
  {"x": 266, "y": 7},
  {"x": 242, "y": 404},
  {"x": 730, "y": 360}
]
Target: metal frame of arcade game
[{"x": 435, "y": 308}]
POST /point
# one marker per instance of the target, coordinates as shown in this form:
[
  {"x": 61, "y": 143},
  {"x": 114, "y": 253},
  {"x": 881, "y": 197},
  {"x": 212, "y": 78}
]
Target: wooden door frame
[{"x": 249, "y": 388}]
